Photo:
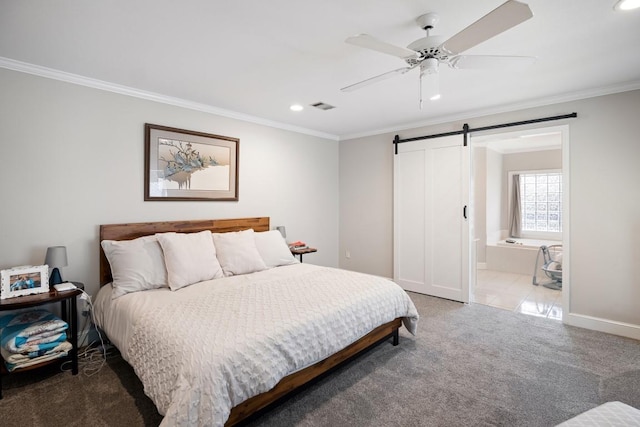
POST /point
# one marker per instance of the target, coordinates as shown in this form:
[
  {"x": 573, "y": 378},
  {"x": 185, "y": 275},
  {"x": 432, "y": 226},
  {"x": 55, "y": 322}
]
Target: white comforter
[{"x": 206, "y": 348}]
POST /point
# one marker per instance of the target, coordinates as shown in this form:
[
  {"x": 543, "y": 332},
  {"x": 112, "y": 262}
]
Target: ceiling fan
[{"x": 430, "y": 51}]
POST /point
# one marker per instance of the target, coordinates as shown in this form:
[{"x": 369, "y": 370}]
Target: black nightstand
[
  {"x": 71, "y": 318},
  {"x": 79, "y": 285},
  {"x": 301, "y": 252}
]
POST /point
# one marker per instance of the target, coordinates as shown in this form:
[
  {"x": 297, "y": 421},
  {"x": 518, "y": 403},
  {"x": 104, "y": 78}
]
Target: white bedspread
[
  {"x": 206, "y": 348},
  {"x": 609, "y": 414}
]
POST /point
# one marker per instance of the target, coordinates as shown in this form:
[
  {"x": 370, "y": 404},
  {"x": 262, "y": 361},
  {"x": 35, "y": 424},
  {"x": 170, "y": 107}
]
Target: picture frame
[
  {"x": 184, "y": 165},
  {"x": 24, "y": 280}
]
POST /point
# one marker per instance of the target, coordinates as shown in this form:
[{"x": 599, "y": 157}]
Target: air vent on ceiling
[{"x": 323, "y": 106}]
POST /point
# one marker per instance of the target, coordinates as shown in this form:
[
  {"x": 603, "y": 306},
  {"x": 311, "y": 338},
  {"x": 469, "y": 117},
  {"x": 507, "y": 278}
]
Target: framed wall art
[
  {"x": 188, "y": 165},
  {"x": 24, "y": 280}
]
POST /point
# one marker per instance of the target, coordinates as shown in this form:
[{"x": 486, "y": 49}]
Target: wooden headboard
[{"x": 134, "y": 230}]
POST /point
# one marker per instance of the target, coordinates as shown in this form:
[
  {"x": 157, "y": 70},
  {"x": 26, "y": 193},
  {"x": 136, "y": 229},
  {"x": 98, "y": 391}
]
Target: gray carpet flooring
[{"x": 469, "y": 365}]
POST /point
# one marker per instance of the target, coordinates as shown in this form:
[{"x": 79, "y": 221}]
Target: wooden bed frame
[{"x": 289, "y": 383}]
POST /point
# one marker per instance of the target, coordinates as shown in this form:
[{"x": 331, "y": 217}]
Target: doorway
[{"x": 507, "y": 255}]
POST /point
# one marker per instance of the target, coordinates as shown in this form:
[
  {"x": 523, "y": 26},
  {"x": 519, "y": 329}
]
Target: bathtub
[{"x": 519, "y": 257}]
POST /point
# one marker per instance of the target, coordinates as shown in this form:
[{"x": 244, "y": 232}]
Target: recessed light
[
  {"x": 627, "y": 5},
  {"x": 296, "y": 107}
]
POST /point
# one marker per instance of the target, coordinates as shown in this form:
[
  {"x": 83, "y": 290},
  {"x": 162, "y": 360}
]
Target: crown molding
[
  {"x": 472, "y": 114},
  {"x": 54, "y": 74}
]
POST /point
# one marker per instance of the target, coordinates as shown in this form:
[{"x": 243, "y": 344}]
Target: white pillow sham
[
  {"x": 273, "y": 249},
  {"x": 237, "y": 252},
  {"x": 189, "y": 257},
  {"x": 136, "y": 265}
]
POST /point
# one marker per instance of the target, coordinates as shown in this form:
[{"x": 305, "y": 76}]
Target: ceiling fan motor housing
[{"x": 428, "y": 47}]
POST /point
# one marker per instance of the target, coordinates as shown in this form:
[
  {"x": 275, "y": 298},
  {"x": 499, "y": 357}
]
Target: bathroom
[{"x": 510, "y": 226}]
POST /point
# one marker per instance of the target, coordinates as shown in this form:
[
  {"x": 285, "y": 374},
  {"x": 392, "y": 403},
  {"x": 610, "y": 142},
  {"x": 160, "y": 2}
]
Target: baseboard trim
[{"x": 603, "y": 325}]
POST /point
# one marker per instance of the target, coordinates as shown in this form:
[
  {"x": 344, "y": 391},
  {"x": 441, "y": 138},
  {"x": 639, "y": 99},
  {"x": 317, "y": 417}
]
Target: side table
[
  {"x": 301, "y": 252},
  {"x": 71, "y": 318}
]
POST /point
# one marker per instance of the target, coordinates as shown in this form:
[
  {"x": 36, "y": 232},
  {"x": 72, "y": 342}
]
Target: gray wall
[
  {"x": 366, "y": 208},
  {"x": 493, "y": 191},
  {"x": 604, "y": 214},
  {"x": 479, "y": 202},
  {"x": 73, "y": 158}
]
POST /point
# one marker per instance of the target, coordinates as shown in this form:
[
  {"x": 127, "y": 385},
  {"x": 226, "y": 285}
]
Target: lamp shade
[{"x": 56, "y": 256}]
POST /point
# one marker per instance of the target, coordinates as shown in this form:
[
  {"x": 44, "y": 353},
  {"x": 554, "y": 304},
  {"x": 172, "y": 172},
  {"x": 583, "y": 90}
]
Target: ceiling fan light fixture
[
  {"x": 429, "y": 66},
  {"x": 624, "y": 5},
  {"x": 429, "y": 80}
]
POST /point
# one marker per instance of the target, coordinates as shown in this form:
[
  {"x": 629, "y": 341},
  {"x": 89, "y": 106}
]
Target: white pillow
[
  {"x": 136, "y": 265},
  {"x": 273, "y": 249},
  {"x": 190, "y": 258},
  {"x": 237, "y": 252}
]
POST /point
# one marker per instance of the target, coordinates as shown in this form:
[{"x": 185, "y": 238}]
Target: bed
[
  {"x": 216, "y": 351},
  {"x": 614, "y": 414}
]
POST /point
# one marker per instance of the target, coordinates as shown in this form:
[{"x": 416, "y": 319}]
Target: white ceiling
[{"x": 253, "y": 58}]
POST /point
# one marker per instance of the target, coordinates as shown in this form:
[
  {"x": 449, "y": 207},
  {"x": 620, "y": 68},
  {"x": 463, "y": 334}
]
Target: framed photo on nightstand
[{"x": 24, "y": 280}]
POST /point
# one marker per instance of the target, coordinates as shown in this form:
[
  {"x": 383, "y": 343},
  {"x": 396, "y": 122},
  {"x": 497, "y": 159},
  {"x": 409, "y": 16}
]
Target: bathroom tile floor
[{"x": 516, "y": 292}]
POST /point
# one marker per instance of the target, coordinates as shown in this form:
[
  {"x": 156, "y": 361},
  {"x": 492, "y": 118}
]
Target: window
[{"x": 541, "y": 202}]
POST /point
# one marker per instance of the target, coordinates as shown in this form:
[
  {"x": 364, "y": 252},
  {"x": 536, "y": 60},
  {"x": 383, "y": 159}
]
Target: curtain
[{"x": 515, "y": 219}]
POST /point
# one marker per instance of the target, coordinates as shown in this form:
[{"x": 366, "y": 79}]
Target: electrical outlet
[{"x": 347, "y": 254}]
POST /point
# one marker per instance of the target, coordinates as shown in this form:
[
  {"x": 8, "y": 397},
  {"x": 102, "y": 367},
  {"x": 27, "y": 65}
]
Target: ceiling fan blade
[
  {"x": 368, "y": 42},
  {"x": 376, "y": 79},
  {"x": 490, "y": 61},
  {"x": 504, "y": 17}
]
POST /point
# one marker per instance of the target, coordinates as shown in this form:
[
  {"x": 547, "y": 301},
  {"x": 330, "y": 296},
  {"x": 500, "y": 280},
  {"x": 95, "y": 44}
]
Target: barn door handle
[{"x": 464, "y": 212}]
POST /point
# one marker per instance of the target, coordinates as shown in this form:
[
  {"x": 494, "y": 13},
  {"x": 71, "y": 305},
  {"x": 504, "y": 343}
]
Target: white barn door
[{"x": 431, "y": 233}]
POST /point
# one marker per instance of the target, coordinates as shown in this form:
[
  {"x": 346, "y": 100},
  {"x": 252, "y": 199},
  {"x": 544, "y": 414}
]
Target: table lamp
[{"x": 56, "y": 258}]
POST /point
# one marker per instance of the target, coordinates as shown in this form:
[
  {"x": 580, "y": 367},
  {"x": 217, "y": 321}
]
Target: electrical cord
[{"x": 91, "y": 359}]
